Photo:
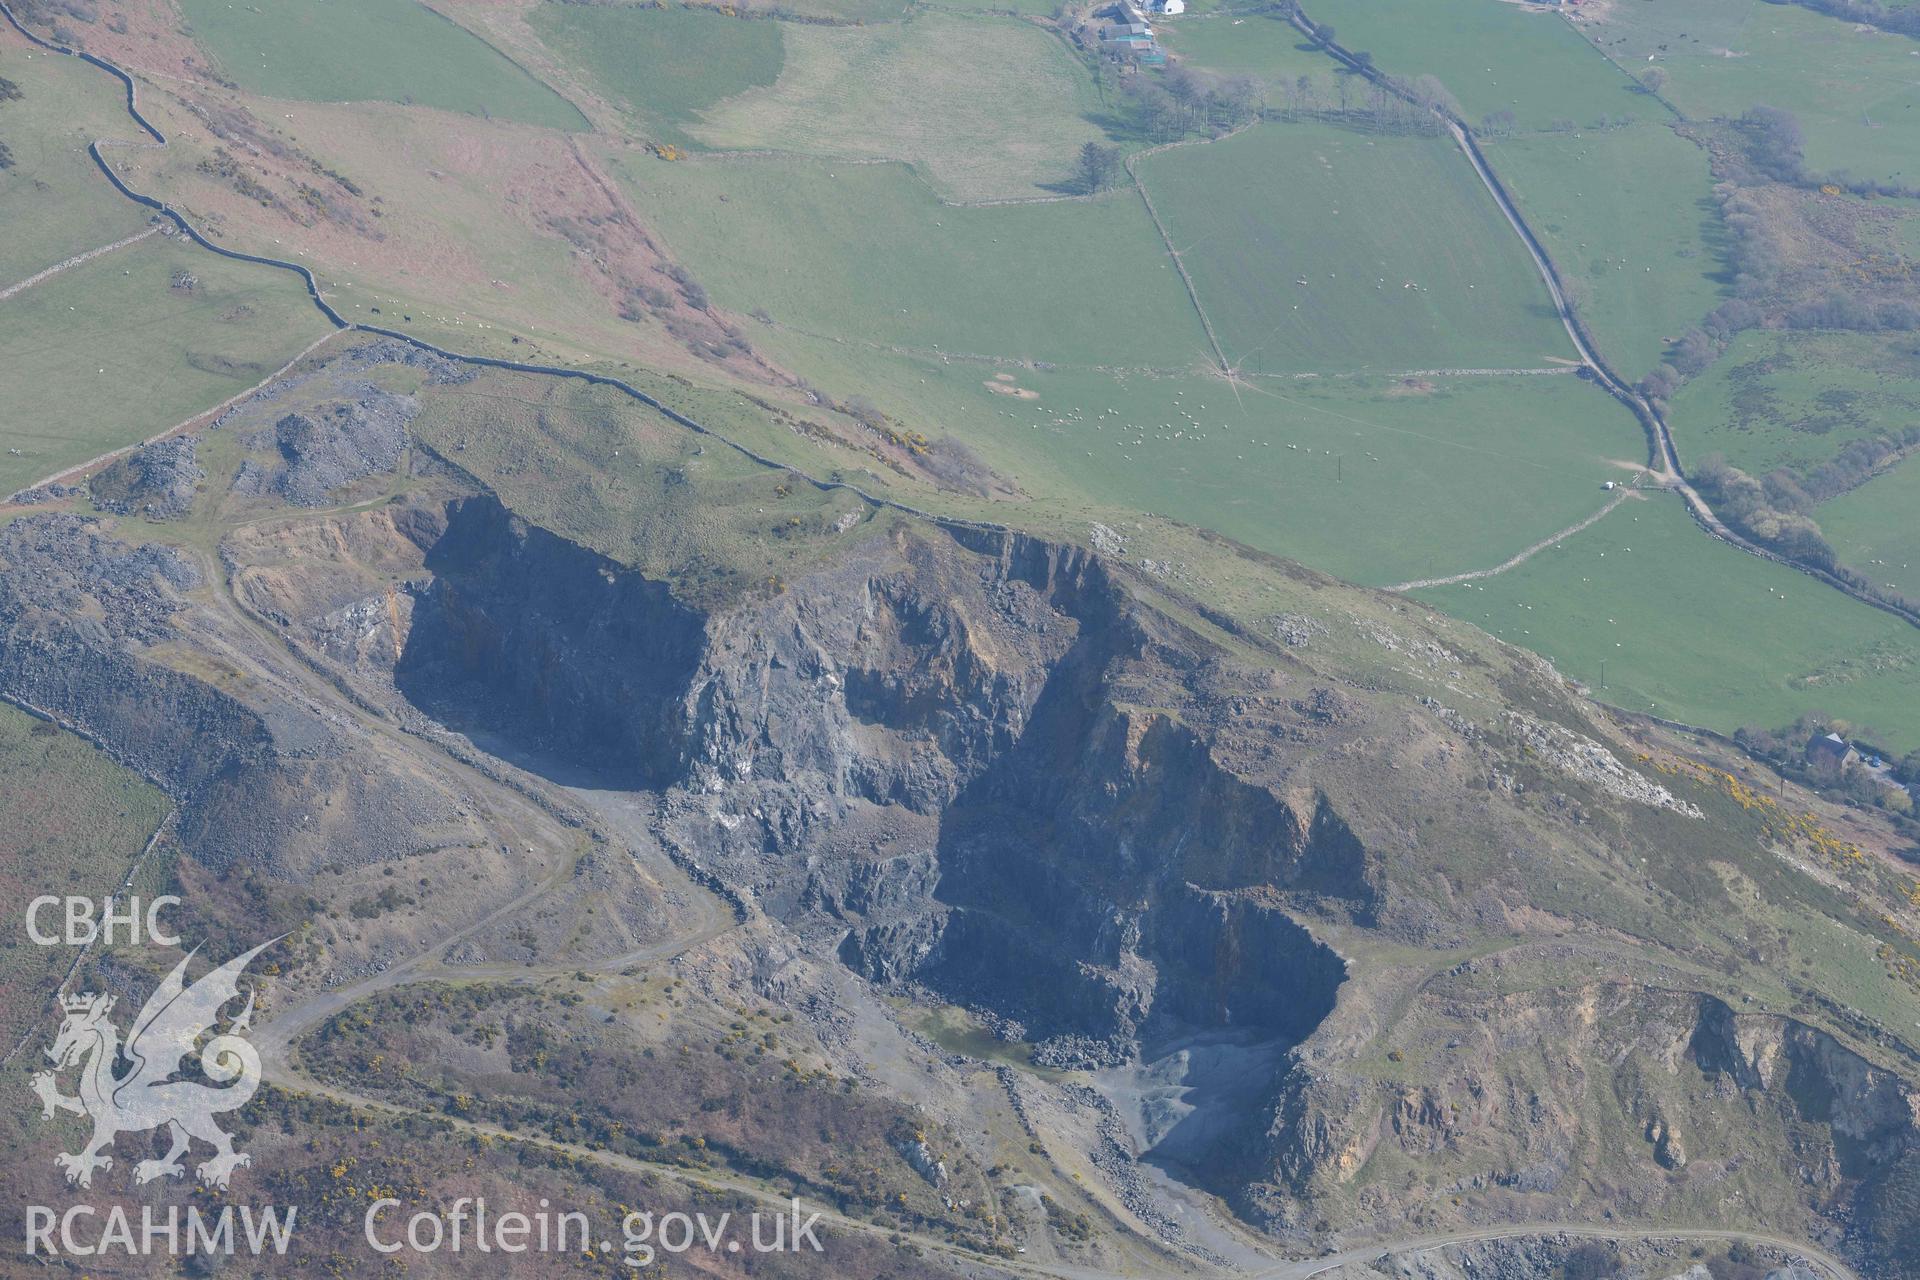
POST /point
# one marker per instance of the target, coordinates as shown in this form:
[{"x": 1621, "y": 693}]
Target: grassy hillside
[
  {"x": 75, "y": 820},
  {"x": 1492, "y": 57},
  {"x": 985, "y": 107},
  {"x": 386, "y": 50},
  {"x": 1229, "y": 43},
  {"x": 1697, "y": 631},
  {"x": 1377, "y": 480},
  {"x": 1855, "y": 90},
  {"x": 669, "y": 65},
  {"x": 1628, "y": 216},
  {"x": 53, "y": 201},
  {"x": 1318, "y": 248},
  {"x": 866, "y": 253},
  {"x": 1875, "y": 529},
  {"x": 618, "y": 477},
  {"x": 112, "y": 351},
  {"x": 1797, "y": 399}
]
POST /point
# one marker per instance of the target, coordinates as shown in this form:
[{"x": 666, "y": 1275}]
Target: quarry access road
[{"x": 1307, "y": 1268}]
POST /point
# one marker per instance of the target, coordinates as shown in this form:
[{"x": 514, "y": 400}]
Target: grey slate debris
[
  {"x": 334, "y": 444},
  {"x": 156, "y": 480},
  {"x": 44, "y": 493}
]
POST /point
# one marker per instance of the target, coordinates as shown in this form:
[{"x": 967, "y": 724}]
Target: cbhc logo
[{"x": 83, "y": 926}]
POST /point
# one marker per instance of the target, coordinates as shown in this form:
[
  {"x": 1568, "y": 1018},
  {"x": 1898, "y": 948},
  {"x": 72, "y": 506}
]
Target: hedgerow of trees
[
  {"x": 1169, "y": 107},
  {"x": 8, "y": 92}
]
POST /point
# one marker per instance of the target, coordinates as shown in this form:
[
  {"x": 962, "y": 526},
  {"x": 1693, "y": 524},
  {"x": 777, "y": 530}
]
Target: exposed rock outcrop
[
  {"x": 84, "y": 621},
  {"x": 157, "y": 480},
  {"x": 1049, "y": 850},
  {"x": 320, "y": 451}
]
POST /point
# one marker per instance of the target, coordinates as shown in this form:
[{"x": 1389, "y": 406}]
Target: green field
[
  {"x": 1876, "y": 528},
  {"x": 53, "y": 201},
  {"x": 984, "y": 107},
  {"x": 1317, "y": 248},
  {"x": 1697, "y": 631},
  {"x": 1629, "y": 218},
  {"x": 74, "y": 821},
  {"x": 370, "y": 50},
  {"x": 1263, "y": 46},
  {"x": 866, "y": 254},
  {"x": 1492, "y": 57},
  {"x": 110, "y": 352},
  {"x": 616, "y": 476},
  {"x": 1796, "y": 399},
  {"x": 666, "y": 65},
  {"x": 1377, "y": 481},
  {"x": 862, "y": 11},
  {"x": 1856, "y": 92}
]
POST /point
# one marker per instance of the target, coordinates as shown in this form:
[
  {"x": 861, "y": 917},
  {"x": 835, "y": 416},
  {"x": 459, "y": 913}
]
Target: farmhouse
[
  {"x": 1136, "y": 11},
  {"x": 1830, "y": 752},
  {"x": 1131, "y": 35}
]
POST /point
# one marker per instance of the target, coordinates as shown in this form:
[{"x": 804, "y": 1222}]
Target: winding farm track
[
  {"x": 1515, "y": 561},
  {"x": 279, "y": 1034}
]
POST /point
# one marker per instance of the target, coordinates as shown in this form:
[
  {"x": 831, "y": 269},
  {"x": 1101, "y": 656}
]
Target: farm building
[
  {"x": 1130, "y": 35},
  {"x": 1830, "y": 752}
]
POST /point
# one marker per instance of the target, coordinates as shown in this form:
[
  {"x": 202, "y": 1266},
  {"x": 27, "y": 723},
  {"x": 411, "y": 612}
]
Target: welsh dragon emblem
[{"x": 149, "y": 1095}]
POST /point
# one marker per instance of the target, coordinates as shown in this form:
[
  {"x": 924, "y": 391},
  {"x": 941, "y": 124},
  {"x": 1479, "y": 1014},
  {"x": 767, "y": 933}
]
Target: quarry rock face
[
  {"x": 973, "y": 765},
  {"x": 919, "y": 750}
]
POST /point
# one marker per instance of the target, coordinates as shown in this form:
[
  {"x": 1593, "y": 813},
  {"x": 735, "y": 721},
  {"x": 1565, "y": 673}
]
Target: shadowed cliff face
[
  {"x": 524, "y": 633},
  {"x": 924, "y": 752}
]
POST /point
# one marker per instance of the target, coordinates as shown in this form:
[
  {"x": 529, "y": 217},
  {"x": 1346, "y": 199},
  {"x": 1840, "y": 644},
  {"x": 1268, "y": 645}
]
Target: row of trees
[
  {"x": 1775, "y": 144},
  {"x": 1857, "y": 463},
  {"x": 1771, "y": 511},
  {"x": 1701, "y": 345},
  {"x": 1184, "y": 101},
  {"x": 8, "y": 92},
  {"x": 1776, "y": 510},
  {"x": 1356, "y": 100}
]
